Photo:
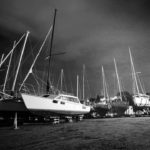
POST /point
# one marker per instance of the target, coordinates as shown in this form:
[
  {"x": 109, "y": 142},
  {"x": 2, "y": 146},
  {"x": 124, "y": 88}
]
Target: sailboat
[
  {"x": 55, "y": 104},
  {"x": 118, "y": 106},
  {"x": 103, "y": 106},
  {"x": 11, "y": 102},
  {"x": 140, "y": 99},
  {"x": 52, "y": 104}
]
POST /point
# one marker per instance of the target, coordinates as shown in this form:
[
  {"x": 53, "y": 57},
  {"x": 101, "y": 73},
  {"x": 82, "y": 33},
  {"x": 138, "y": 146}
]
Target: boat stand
[
  {"x": 15, "y": 122},
  {"x": 56, "y": 120},
  {"x": 69, "y": 119},
  {"x": 79, "y": 118}
]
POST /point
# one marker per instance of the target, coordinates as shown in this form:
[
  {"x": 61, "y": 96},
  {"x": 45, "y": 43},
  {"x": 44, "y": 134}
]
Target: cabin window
[
  {"x": 46, "y": 95},
  {"x": 62, "y": 103},
  {"x": 65, "y": 98},
  {"x": 54, "y": 101},
  {"x": 73, "y": 100},
  {"x": 76, "y": 100}
]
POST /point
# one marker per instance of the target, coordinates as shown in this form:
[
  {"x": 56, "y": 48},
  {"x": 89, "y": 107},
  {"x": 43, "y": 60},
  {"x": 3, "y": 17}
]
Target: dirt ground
[{"x": 90, "y": 134}]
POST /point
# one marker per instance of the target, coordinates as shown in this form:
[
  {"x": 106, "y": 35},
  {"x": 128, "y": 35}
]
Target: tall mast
[
  {"x": 77, "y": 85},
  {"x": 14, "y": 83},
  {"x": 1, "y": 59},
  {"x": 106, "y": 96},
  {"x": 61, "y": 87},
  {"x": 133, "y": 71},
  {"x": 50, "y": 52},
  {"x": 104, "y": 92},
  {"x": 4, "y": 59},
  {"x": 6, "y": 77},
  {"x": 141, "y": 86},
  {"x": 118, "y": 78},
  {"x": 83, "y": 81},
  {"x": 30, "y": 70},
  {"x": 133, "y": 79}
]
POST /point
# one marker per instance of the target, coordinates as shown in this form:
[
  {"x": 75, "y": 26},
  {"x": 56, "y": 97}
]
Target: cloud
[{"x": 90, "y": 32}]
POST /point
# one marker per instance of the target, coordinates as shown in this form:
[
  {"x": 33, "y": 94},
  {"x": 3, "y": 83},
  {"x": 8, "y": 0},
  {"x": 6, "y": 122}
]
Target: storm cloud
[{"x": 91, "y": 32}]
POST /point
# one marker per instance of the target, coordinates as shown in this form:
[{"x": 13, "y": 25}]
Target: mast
[
  {"x": 8, "y": 68},
  {"x": 133, "y": 83},
  {"x": 104, "y": 92},
  {"x": 61, "y": 86},
  {"x": 14, "y": 83},
  {"x": 118, "y": 78},
  {"x": 141, "y": 86},
  {"x": 50, "y": 52},
  {"x": 106, "y": 96},
  {"x": 3, "y": 60},
  {"x": 30, "y": 70},
  {"x": 77, "y": 85},
  {"x": 83, "y": 81},
  {"x": 133, "y": 72}
]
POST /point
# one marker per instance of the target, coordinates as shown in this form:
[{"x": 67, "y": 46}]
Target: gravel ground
[{"x": 91, "y": 134}]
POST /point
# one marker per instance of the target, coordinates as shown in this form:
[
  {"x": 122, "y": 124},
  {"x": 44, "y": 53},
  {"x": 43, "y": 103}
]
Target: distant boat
[
  {"x": 103, "y": 106},
  {"x": 140, "y": 99},
  {"x": 118, "y": 106}
]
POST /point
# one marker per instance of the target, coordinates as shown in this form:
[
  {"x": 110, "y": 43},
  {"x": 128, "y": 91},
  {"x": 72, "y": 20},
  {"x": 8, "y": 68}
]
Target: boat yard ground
[{"x": 90, "y": 134}]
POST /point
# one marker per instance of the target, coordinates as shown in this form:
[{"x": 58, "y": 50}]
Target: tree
[{"x": 126, "y": 96}]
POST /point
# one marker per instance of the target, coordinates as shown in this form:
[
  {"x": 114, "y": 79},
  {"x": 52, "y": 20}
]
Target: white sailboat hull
[
  {"x": 141, "y": 100},
  {"x": 49, "y": 106}
]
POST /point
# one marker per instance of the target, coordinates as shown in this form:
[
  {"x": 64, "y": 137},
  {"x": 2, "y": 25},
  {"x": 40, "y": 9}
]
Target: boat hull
[
  {"x": 102, "y": 109},
  {"x": 141, "y": 101},
  {"x": 12, "y": 105},
  {"x": 119, "y": 107},
  {"x": 8, "y": 109},
  {"x": 47, "y": 107}
]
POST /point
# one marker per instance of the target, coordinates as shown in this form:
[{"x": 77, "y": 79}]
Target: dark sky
[{"x": 91, "y": 32}]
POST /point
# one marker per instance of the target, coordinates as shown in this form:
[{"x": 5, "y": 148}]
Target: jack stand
[
  {"x": 80, "y": 117},
  {"x": 56, "y": 120},
  {"x": 69, "y": 119},
  {"x": 15, "y": 122}
]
